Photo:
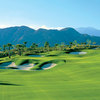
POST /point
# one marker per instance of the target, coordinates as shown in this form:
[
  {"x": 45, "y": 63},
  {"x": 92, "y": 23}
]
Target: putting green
[{"x": 76, "y": 79}]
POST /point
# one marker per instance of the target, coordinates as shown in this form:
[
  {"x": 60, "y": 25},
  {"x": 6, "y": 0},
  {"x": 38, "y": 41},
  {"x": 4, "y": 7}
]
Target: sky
[{"x": 50, "y": 13}]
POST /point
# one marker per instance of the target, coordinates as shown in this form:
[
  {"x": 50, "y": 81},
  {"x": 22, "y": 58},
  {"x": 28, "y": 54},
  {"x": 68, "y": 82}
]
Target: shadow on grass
[{"x": 2, "y": 83}]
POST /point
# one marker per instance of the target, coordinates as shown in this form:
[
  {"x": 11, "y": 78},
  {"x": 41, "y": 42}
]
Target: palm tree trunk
[{"x": 9, "y": 53}]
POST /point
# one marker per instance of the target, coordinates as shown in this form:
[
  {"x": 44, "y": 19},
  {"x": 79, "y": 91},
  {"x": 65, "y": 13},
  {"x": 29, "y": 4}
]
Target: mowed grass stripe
[{"x": 77, "y": 79}]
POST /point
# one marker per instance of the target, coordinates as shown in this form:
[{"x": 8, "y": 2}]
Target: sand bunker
[
  {"x": 12, "y": 65},
  {"x": 21, "y": 67},
  {"x": 48, "y": 66},
  {"x": 78, "y": 53}
]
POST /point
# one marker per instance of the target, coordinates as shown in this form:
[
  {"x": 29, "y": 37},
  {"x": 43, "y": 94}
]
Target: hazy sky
[{"x": 50, "y": 13}]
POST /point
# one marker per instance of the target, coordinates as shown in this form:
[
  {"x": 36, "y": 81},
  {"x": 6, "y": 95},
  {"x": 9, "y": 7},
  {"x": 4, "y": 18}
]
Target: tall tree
[
  {"x": 62, "y": 46},
  {"x": 34, "y": 46},
  {"x": 71, "y": 44},
  {"x": 56, "y": 46},
  {"x": 19, "y": 47},
  {"x": 4, "y": 48},
  {"x": 25, "y": 43},
  {"x": 47, "y": 46},
  {"x": 24, "y": 46},
  {"x": 9, "y": 45}
]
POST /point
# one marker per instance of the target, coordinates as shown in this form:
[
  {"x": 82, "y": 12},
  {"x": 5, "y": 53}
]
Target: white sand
[
  {"x": 27, "y": 67},
  {"x": 22, "y": 67},
  {"x": 12, "y": 65},
  {"x": 78, "y": 53}
]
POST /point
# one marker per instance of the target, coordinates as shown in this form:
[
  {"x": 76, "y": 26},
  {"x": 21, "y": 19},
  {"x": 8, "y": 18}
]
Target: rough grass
[{"x": 77, "y": 79}]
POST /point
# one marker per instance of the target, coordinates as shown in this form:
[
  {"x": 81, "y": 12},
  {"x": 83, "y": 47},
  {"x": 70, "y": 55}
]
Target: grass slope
[{"x": 77, "y": 79}]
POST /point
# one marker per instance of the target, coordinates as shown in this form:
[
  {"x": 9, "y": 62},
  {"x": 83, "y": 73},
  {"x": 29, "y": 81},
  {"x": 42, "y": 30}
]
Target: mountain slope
[
  {"x": 89, "y": 30},
  {"x": 16, "y": 35}
]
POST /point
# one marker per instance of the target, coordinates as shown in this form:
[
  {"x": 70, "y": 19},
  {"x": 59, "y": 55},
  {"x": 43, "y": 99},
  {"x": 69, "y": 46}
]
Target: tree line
[{"x": 9, "y": 49}]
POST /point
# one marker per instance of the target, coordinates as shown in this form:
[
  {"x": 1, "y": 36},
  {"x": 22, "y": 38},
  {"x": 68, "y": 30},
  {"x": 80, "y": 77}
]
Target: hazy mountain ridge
[
  {"x": 17, "y": 35},
  {"x": 89, "y": 30}
]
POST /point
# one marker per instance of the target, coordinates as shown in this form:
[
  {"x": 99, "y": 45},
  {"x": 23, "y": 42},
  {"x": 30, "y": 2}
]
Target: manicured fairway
[{"x": 76, "y": 79}]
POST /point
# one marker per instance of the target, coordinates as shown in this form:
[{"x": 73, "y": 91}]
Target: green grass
[{"x": 77, "y": 79}]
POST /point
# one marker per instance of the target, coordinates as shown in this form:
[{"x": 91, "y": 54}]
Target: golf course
[
  {"x": 49, "y": 50},
  {"x": 73, "y": 77}
]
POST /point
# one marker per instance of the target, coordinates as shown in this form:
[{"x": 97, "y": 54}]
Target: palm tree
[
  {"x": 25, "y": 43},
  {"x": 9, "y": 45},
  {"x": 46, "y": 45},
  {"x": 62, "y": 46},
  {"x": 56, "y": 46},
  {"x": 19, "y": 47},
  {"x": 24, "y": 46},
  {"x": 34, "y": 46},
  {"x": 4, "y": 48}
]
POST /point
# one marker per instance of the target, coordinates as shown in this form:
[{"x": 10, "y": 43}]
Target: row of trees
[
  {"x": 8, "y": 47},
  {"x": 22, "y": 48}
]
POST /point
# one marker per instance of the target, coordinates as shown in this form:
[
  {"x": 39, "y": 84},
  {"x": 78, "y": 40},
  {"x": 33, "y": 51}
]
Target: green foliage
[
  {"x": 19, "y": 48},
  {"x": 34, "y": 46},
  {"x": 77, "y": 79},
  {"x": 46, "y": 44}
]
